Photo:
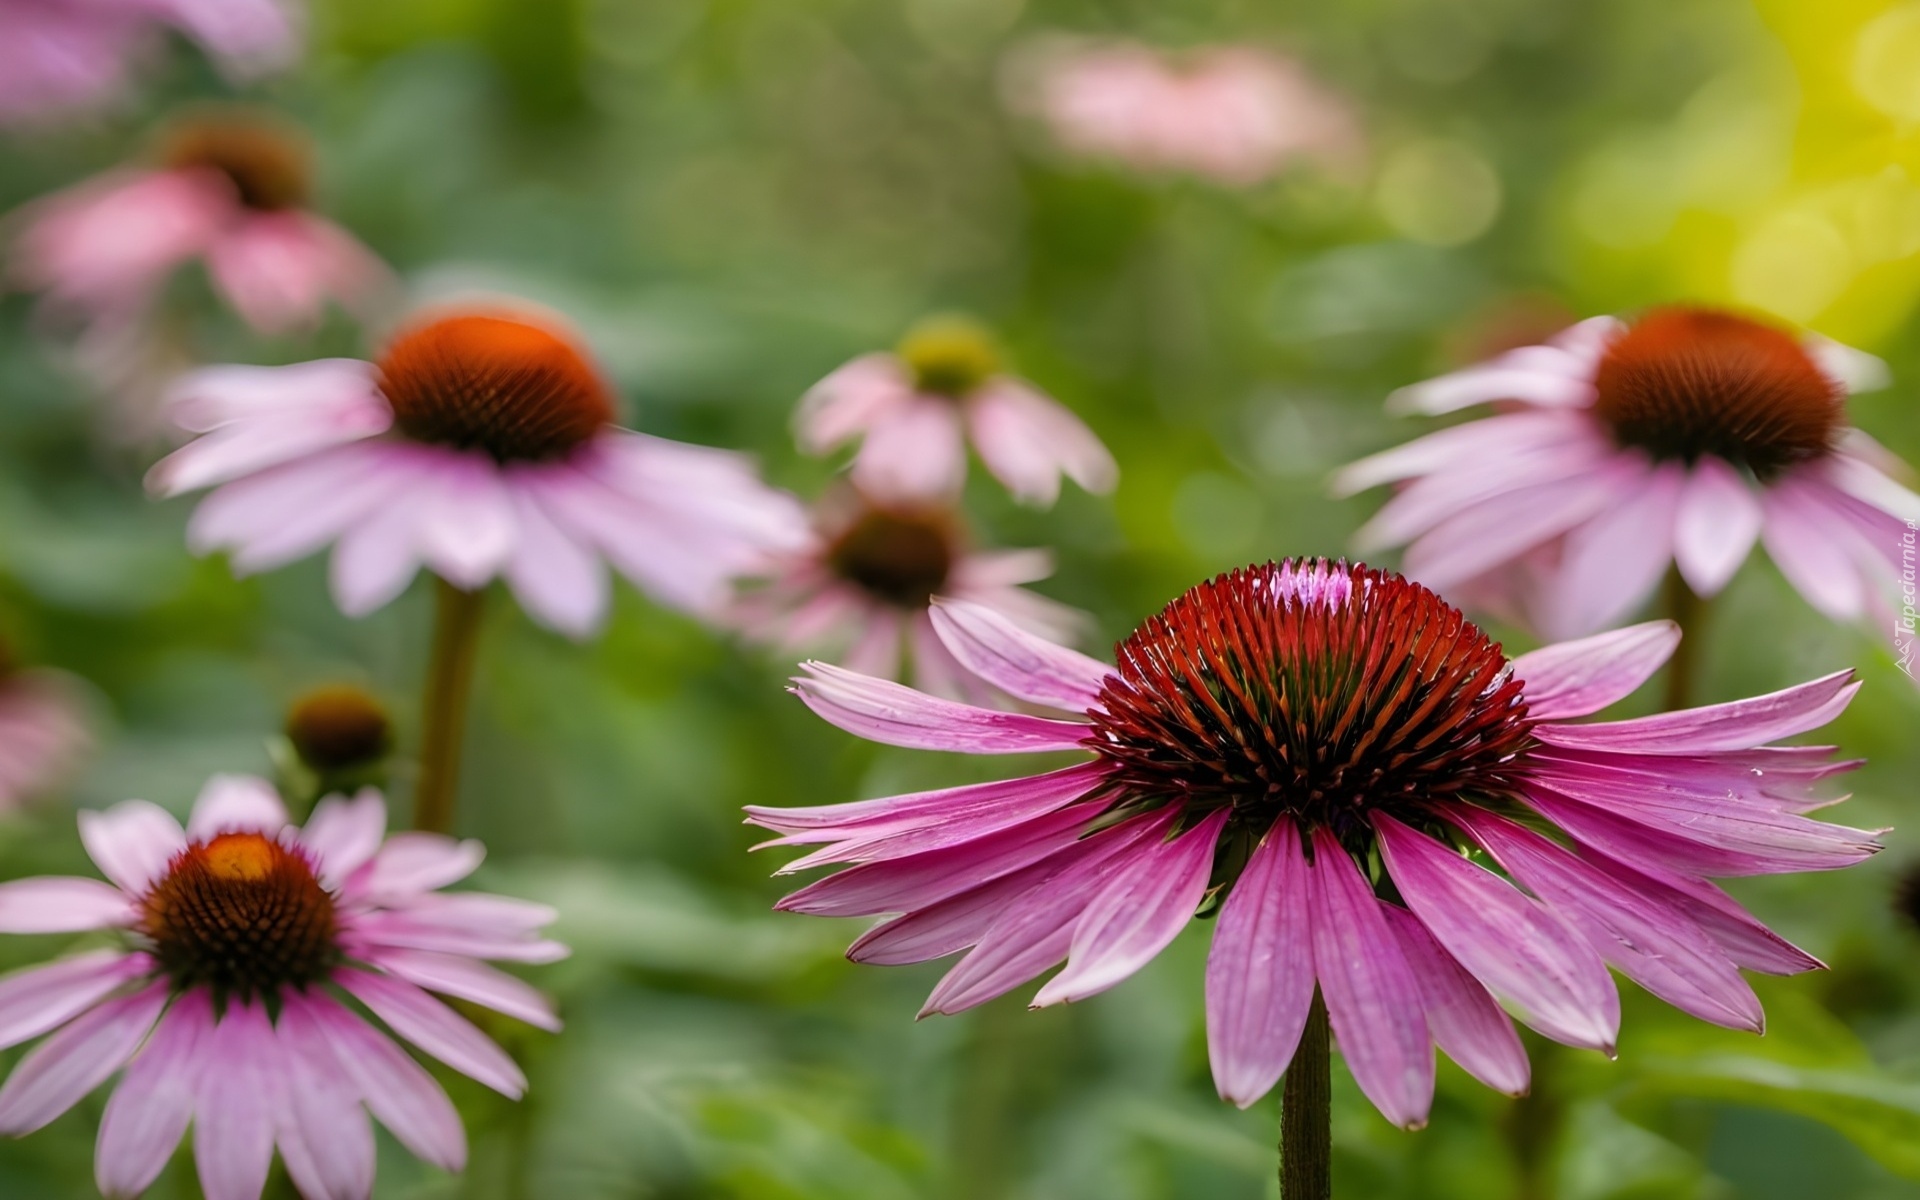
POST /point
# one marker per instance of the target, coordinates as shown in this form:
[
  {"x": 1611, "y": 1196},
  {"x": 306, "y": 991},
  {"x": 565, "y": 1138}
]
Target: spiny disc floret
[
  {"x": 243, "y": 915},
  {"x": 1683, "y": 383},
  {"x": 1310, "y": 689},
  {"x": 513, "y": 388}
]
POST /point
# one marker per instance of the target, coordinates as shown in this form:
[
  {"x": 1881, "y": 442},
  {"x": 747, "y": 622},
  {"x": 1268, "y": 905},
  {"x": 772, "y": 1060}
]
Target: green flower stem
[
  {"x": 1689, "y": 612},
  {"x": 1306, "y": 1114},
  {"x": 443, "y": 716}
]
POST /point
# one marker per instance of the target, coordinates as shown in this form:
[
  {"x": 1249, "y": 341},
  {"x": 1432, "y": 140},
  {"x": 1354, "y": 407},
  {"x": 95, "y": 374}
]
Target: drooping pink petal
[
  {"x": 1802, "y": 544},
  {"x": 1550, "y": 376},
  {"x": 1461, "y": 1014},
  {"x": 464, "y": 979},
  {"x": 76, "y": 1059},
  {"x": 895, "y": 715},
  {"x": 400, "y": 1094},
  {"x": 1736, "y": 725},
  {"x": 1632, "y": 841},
  {"x": 279, "y": 270},
  {"x": 62, "y": 905},
  {"x": 245, "y": 447},
  {"x": 1260, "y": 970},
  {"x": 1657, "y": 947},
  {"x": 234, "y": 1105},
  {"x": 1015, "y": 661},
  {"x": 850, "y": 400},
  {"x": 1494, "y": 531},
  {"x": 1147, "y": 900},
  {"x": 1028, "y": 440},
  {"x": 1492, "y": 439},
  {"x": 150, "y": 1109},
  {"x": 1519, "y": 949},
  {"x": 36, "y": 999},
  {"x": 436, "y": 1029},
  {"x": 1573, "y": 679},
  {"x": 1373, "y": 1001},
  {"x": 466, "y": 923},
  {"x": 236, "y": 804},
  {"x": 1737, "y": 932},
  {"x": 959, "y": 919},
  {"x": 466, "y": 530},
  {"x": 1454, "y": 487},
  {"x": 287, "y": 512},
  {"x": 324, "y": 1135},
  {"x": 1612, "y": 562},
  {"x": 1036, "y": 930},
  {"x": 411, "y": 863},
  {"x": 1719, "y": 519},
  {"x": 1854, "y": 370},
  {"x": 559, "y": 580},
  {"x": 913, "y": 453},
  {"x": 132, "y": 842},
  {"x": 1024, "y": 795},
  {"x": 343, "y": 834},
  {"x": 377, "y": 557}
]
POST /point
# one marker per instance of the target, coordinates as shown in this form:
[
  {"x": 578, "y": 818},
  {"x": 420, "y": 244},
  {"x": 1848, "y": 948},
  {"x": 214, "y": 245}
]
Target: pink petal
[
  {"x": 912, "y": 453},
  {"x": 412, "y": 863},
  {"x": 1573, "y": 679},
  {"x": 1015, "y": 661},
  {"x": 1146, "y": 901},
  {"x": 1474, "y": 479},
  {"x": 1543, "y": 375},
  {"x": 435, "y": 1028},
  {"x": 1260, "y": 970},
  {"x": 234, "y": 1105},
  {"x": 1800, "y": 539},
  {"x": 1461, "y": 1014},
  {"x": 831, "y": 822},
  {"x": 1028, "y": 439},
  {"x": 288, "y": 512},
  {"x": 558, "y": 579},
  {"x": 894, "y": 715},
  {"x": 1373, "y": 1001},
  {"x": 1737, "y": 725},
  {"x": 1611, "y": 562},
  {"x": 132, "y": 842},
  {"x": 63, "y": 905},
  {"x": 149, "y": 1111},
  {"x": 60, "y": 1071},
  {"x": 1652, "y": 944},
  {"x": 247, "y": 447},
  {"x": 1494, "y": 532},
  {"x": 476, "y": 983},
  {"x": 1488, "y": 439},
  {"x": 960, "y": 919},
  {"x": 400, "y": 1094},
  {"x": 236, "y": 804},
  {"x": 1719, "y": 519},
  {"x": 1519, "y": 949},
  {"x": 1737, "y": 932},
  {"x": 36, "y": 999},
  {"x": 481, "y": 927},
  {"x": 466, "y": 529},
  {"x": 1854, "y": 370},
  {"x": 847, "y": 403},
  {"x": 343, "y": 834},
  {"x": 1036, "y": 930},
  {"x": 325, "y": 1138},
  {"x": 377, "y": 557}
]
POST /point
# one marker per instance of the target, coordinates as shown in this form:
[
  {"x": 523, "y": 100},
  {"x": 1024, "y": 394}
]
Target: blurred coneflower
[
  {"x": 246, "y": 943},
  {"x": 914, "y": 410},
  {"x": 1675, "y": 441},
  {"x": 859, "y": 593},
  {"x": 43, "y": 729},
  {"x": 1374, "y": 799},
  {"x": 57, "y": 56},
  {"x": 1235, "y": 115},
  {"x": 229, "y": 188}
]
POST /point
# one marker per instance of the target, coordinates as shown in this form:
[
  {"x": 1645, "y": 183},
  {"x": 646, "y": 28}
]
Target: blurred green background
[{"x": 734, "y": 196}]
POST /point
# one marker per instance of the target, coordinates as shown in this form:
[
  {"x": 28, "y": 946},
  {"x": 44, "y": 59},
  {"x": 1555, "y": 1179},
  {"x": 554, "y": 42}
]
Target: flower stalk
[
  {"x": 1687, "y": 610},
  {"x": 1306, "y": 1114},
  {"x": 443, "y": 715}
]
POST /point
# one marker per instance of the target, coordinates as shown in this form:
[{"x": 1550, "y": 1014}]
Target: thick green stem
[
  {"x": 1306, "y": 1114},
  {"x": 443, "y": 713},
  {"x": 1532, "y": 1125},
  {"x": 1689, "y": 612}
]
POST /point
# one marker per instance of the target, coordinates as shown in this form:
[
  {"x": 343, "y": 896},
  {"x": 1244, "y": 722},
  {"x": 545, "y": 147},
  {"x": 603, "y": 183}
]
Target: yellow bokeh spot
[{"x": 1886, "y": 62}]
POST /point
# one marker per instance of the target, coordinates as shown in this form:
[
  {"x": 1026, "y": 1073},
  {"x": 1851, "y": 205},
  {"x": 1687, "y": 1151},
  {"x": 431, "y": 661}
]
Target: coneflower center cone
[
  {"x": 949, "y": 356},
  {"x": 1317, "y": 691},
  {"x": 243, "y": 915},
  {"x": 267, "y": 163},
  {"x": 512, "y": 388},
  {"x": 900, "y": 556},
  {"x": 1687, "y": 382}
]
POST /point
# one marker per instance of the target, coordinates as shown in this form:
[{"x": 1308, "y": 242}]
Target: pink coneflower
[
  {"x": 915, "y": 409},
  {"x": 860, "y": 591},
  {"x": 481, "y": 444},
  {"x": 43, "y": 730},
  {"x": 230, "y": 189},
  {"x": 244, "y": 942},
  {"x": 1370, "y": 796},
  {"x": 59, "y": 55},
  {"x": 1236, "y": 115},
  {"x": 1680, "y": 439}
]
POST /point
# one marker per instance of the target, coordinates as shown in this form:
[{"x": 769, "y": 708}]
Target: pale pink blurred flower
[
  {"x": 913, "y": 411},
  {"x": 60, "y": 55},
  {"x": 43, "y": 731},
  {"x": 480, "y": 445},
  {"x": 244, "y": 942},
  {"x": 1679, "y": 440},
  {"x": 230, "y": 192},
  {"x": 1308, "y": 749},
  {"x": 859, "y": 592},
  {"x": 1236, "y": 115}
]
